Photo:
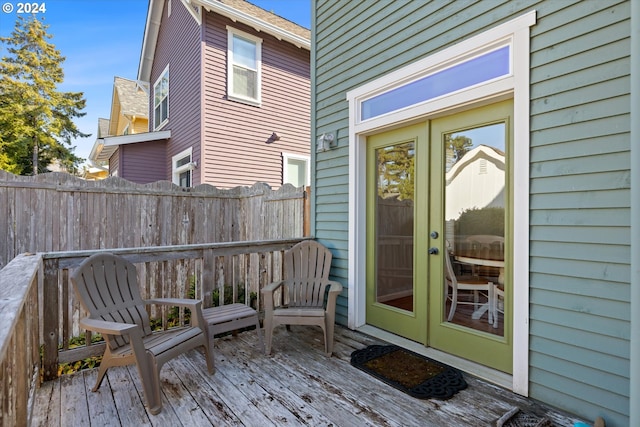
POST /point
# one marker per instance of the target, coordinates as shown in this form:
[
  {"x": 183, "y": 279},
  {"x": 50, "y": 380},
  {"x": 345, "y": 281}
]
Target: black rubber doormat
[{"x": 412, "y": 373}]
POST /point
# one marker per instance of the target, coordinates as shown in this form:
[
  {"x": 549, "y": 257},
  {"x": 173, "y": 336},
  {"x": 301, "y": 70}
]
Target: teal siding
[
  {"x": 580, "y": 209},
  {"x": 580, "y": 169}
]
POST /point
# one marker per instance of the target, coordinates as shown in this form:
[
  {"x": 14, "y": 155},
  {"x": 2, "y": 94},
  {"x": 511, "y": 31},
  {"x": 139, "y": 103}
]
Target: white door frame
[{"x": 515, "y": 85}]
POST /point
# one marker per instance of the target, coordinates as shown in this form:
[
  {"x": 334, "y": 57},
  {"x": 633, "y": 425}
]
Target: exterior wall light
[{"x": 327, "y": 141}]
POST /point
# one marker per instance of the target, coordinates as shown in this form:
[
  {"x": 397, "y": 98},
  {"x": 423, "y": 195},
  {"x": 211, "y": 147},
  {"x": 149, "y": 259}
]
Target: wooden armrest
[{"x": 106, "y": 327}]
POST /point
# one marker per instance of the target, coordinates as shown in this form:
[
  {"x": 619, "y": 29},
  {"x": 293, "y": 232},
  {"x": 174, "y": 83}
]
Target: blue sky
[{"x": 102, "y": 39}]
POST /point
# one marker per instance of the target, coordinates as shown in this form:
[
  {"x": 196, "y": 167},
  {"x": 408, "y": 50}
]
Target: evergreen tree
[
  {"x": 456, "y": 147},
  {"x": 396, "y": 171},
  {"x": 36, "y": 120}
]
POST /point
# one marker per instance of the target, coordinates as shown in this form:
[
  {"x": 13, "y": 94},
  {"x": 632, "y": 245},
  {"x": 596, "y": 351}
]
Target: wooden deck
[{"x": 296, "y": 386}]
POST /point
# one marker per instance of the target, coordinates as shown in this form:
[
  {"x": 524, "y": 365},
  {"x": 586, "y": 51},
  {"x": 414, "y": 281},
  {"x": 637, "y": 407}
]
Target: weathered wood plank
[
  {"x": 127, "y": 397},
  {"x": 290, "y": 383},
  {"x": 73, "y": 412},
  {"x": 50, "y": 320},
  {"x": 232, "y": 397},
  {"x": 178, "y": 400},
  {"x": 212, "y": 405},
  {"x": 46, "y": 406},
  {"x": 102, "y": 408},
  {"x": 297, "y": 385},
  {"x": 290, "y": 392}
]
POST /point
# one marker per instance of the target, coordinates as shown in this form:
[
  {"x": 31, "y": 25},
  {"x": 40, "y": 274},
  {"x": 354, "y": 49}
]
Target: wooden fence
[{"x": 59, "y": 212}]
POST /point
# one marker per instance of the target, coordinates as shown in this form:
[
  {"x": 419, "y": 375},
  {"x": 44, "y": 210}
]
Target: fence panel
[{"x": 59, "y": 212}]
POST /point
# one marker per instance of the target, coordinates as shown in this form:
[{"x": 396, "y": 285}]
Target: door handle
[{"x": 433, "y": 251}]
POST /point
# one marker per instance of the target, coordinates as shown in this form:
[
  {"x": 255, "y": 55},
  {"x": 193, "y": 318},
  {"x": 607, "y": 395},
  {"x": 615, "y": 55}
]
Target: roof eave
[
  {"x": 154, "y": 17},
  {"x": 258, "y": 24},
  {"x": 152, "y": 27},
  {"x": 104, "y": 148}
]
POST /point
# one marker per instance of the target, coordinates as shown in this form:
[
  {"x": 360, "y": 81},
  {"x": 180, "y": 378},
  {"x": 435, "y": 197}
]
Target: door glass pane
[
  {"x": 185, "y": 179},
  {"x": 474, "y": 208},
  {"x": 394, "y": 225}
]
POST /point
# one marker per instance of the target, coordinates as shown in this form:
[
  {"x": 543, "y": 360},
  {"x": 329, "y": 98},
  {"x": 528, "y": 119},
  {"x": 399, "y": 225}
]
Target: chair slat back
[
  {"x": 306, "y": 274},
  {"x": 449, "y": 275},
  {"x": 107, "y": 286}
]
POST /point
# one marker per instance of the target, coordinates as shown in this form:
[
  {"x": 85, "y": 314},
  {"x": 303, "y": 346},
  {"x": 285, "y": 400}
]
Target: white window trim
[
  {"x": 157, "y": 126},
  {"x": 175, "y": 172},
  {"x": 285, "y": 161},
  {"x": 516, "y": 32},
  {"x": 258, "y": 41}
]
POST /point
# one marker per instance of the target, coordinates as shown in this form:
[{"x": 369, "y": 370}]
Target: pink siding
[
  {"x": 179, "y": 46},
  {"x": 234, "y": 133},
  {"x": 143, "y": 162}
]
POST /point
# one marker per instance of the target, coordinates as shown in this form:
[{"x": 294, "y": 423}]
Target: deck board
[{"x": 297, "y": 385}]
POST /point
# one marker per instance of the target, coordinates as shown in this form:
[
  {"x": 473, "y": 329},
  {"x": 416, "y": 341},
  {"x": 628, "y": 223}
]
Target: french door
[
  {"x": 396, "y": 291},
  {"x": 440, "y": 189}
]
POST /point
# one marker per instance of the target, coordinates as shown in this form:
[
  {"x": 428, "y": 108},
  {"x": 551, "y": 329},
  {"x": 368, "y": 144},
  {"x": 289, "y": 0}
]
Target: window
[
  {"x": 182, "y": 167},
  {"x": 480, "y": 69},
  {"x": 161, "y": 100},
  {"x": 295, "y": 170},
  {"x": 243, "y": 67}
]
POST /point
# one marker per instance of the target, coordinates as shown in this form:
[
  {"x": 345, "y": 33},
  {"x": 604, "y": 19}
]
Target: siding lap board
[{"x": 234, "y": 133}]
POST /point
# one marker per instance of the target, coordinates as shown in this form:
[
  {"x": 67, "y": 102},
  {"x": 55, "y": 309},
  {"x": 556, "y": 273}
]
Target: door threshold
[{"x": 483, "y": 372}]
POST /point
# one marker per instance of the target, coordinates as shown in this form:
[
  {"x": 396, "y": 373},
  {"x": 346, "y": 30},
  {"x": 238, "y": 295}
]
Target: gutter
[{"x": 152, "y": 26}]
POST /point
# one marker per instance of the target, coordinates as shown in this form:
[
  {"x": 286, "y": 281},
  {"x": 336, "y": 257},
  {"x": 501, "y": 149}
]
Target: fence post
[
  {"x": 306, "y": 216},
  {"x": 50, "y": 321},
  {"x": 208, "y": 277}
]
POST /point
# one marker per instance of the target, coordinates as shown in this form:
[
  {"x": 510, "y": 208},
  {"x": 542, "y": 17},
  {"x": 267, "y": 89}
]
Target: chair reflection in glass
[
  {"x": 478, "y": 286},
  {"x": 483, "y": 246},
  {"x": 497, "y": 303}
]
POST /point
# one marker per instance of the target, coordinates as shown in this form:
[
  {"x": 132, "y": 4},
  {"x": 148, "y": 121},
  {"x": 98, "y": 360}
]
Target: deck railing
[
  {"x": 39, "y": 307},
  {"x": 19, "y": 344}
]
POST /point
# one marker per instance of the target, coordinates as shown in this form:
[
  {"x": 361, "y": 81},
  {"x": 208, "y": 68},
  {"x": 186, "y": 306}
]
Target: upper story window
[
  {"x": 161, "y": 100},
  {"x": 182, "y": 168},
  {"x": 244, "y": 63}
]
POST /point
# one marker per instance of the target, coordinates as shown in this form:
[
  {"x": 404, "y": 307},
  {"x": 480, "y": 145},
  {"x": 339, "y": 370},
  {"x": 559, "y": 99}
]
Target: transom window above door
[
  {"x": 244, "y": 56},
  {"x": 463, "y": 74}
]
